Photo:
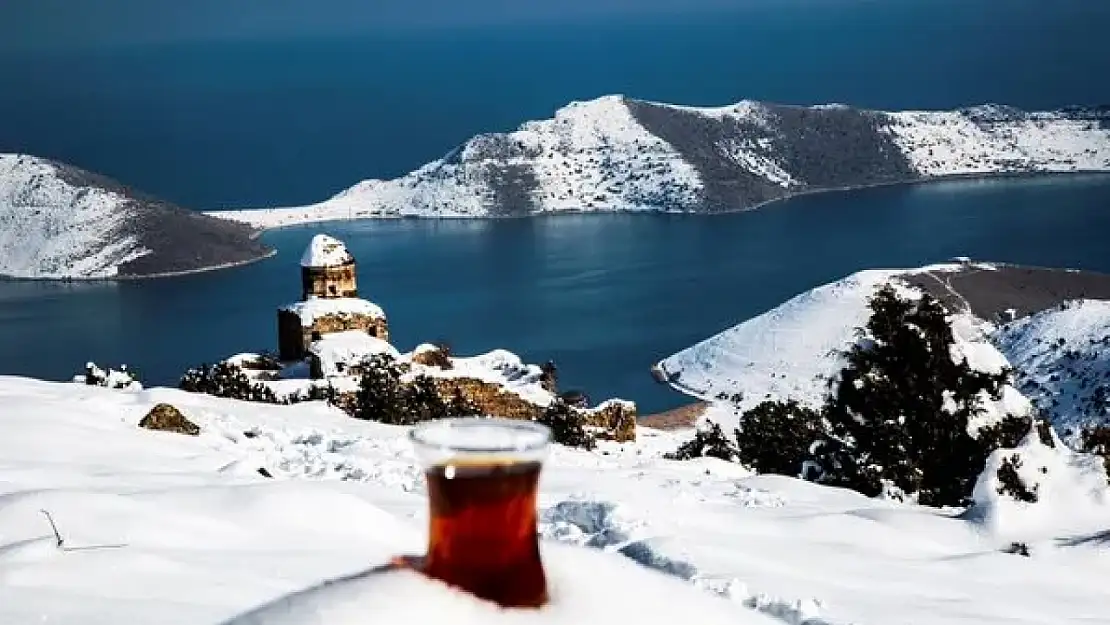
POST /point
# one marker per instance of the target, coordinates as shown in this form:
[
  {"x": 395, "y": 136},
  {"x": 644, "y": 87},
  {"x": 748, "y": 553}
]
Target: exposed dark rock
[
  {"x": 166, "y": 418},
  {"x": 1025, "y": 290}
]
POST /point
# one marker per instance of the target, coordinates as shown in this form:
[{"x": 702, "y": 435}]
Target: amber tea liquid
[{"x": 483, "y": 530}]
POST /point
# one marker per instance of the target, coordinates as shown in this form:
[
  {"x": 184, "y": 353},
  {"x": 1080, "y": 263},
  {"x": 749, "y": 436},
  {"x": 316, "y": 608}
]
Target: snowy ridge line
[{"x": 620, "y": 154}]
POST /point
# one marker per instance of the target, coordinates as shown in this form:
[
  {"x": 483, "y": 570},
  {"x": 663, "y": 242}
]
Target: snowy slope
[
  {"x": 52, "y": 229},
  {"x": 617, "y": 153},
  {"x": 793, "y": 350},
  {"x": 178, "y": 529},
  {"x": 58, "y": 221},
  {"x": 1061, "y": 358}
]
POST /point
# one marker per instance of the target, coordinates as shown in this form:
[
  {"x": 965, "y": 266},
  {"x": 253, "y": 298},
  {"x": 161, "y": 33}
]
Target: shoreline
[
  {"x": 149, "y": 276},
  {"x": 259, "y": 231},
  {"x": 970, "y": 177}
]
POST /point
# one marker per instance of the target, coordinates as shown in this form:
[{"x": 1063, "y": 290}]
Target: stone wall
[
  {"x": 294, "y": 339},
  {"x": 614, "y": 419},
  {"x": 328, "y": 281},
  {"x": 489, "y": 398}
]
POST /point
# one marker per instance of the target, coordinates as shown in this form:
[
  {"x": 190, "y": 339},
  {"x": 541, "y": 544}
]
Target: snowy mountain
[
  {"x": 1062, "y": 360},
  {"x": 617, "y": 153},
  {"x": 167, "y": 528},
  {"x": 57, "y": 221},
  {"x": 1060, "y": 351}
]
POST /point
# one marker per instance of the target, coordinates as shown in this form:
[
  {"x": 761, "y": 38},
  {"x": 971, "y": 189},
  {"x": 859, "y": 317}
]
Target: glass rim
[{"x": 529, "y": 436}]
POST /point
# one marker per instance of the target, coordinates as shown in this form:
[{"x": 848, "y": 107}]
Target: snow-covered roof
[
  {"x": 347, "y": 348},
  {"x": 325, "y": 251},
  {"x": 314, "y": 307}
]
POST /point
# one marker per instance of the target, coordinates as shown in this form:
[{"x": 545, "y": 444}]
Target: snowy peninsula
[
  {"x": 58, "y": 221},
  {"x": 616, "y": 153}
]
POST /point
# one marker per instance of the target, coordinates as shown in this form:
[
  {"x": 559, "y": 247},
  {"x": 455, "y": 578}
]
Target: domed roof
[{"x": 325, "y": 251}]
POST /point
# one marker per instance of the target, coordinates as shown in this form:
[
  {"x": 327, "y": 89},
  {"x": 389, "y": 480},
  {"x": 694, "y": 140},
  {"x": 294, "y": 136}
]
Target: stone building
[{"x": 329, "y": 301}]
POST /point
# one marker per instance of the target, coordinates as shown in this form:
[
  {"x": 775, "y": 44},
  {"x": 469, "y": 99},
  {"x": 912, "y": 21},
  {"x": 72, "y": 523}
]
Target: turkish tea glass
[{"x": 483, "y": 477}]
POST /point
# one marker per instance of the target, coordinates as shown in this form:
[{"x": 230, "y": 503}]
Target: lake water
[
  {"x": 605, "y": 296},
  {"x": 278, "y": 122}
]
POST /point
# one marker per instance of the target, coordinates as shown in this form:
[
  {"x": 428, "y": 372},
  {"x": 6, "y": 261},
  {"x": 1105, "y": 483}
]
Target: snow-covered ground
[
  {"x": 166, "y": 528},
  {"x": 50, "y": 228},
  {"x": 794, "y": 350},
  {"x": 597, "y": 155},
  {"x": 1061, "y": 358}
]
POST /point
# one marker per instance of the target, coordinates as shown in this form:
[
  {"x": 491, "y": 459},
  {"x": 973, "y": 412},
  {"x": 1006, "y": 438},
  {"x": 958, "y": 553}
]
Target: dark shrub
[
  {"x": 776, "y": 437},
  {"x": 709, "y": 441}
]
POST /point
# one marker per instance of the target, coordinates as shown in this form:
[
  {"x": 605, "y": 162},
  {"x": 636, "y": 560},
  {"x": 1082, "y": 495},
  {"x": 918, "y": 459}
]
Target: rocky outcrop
[{"x": 167, "y": 418}]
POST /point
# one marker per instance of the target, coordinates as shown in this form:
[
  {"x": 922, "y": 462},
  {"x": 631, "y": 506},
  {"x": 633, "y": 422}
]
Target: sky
[{"x": 76, "y": 23}]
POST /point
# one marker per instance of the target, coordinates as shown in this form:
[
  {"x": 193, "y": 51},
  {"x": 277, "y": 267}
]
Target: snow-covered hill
[
  {"x": 167, "y": 528},
  {"x": 1061, "y": 357},
  {"x": 57, "y": 221},
  {"x": 617, "y": 153}
]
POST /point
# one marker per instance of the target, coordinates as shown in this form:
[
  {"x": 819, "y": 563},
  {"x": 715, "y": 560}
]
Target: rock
[
  {"x": 432, "y": 356},
  {"x": 264, "y": 473},
  {"x": 166, "y": 418}
]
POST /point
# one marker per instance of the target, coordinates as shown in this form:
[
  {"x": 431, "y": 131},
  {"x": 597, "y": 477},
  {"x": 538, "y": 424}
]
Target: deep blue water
[
  {"x": 605, "y": 296},
  {"x": 286, "y": 122},
  {"x": 290, "y": 121}
]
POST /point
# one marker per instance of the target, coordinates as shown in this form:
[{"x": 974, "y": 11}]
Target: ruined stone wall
[
  {"x": 328, "y": 281},
  {"x": 490, "y": 399},
  {"x": 295, "y": 339},
  {"x": 615, "y": 420}
]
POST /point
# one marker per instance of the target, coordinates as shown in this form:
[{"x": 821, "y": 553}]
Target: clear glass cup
[{"x": 483, "y": 480}]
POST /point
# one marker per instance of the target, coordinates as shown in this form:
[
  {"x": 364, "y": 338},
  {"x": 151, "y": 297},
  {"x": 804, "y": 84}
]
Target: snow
[
  {"x": 314, "y": 307},
  {"x": 794, "y": 350},
  {"x": 594, "y": 155},
  {"x": 1073, "y": 495},
  {"x": 589, "y": 155},
  {"x": 335, "y": 350},
  {"x": 164, "y": 528},
  {"x": 946, "y": 143},
  {"x": 1061, "y": 358},
  {"x": 499, "y": 366},
  {"x": 52, "y": 229},
  {"x": 325, "y": 251}
]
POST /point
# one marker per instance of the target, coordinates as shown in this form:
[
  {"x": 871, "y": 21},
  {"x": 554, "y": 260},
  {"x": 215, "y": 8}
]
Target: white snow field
[
  {"x": 595, "y": 155},
  {"x": 167, "y": 528}
]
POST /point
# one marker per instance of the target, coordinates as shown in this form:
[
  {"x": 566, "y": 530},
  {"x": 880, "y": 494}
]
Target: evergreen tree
[
  {"x": 899, "y": 416},
  {"x": 776, "y": 437}
]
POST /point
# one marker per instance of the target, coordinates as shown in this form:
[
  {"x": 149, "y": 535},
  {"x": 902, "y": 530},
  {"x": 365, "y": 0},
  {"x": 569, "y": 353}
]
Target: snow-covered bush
[
  {"x": 226, "y": 380},
  {"x": 1037, "y": 490},
  {"x": 709, "y": 441},
  {"x": 1096, "y": 440},
  {"x": 123, "y": 378},
  {"x": 384, "y": 396}
]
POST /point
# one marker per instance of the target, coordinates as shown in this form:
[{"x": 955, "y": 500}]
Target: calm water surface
[{"x": 605, "y": 296}]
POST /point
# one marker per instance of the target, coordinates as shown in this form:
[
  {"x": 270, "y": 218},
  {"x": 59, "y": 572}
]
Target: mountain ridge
[
  {"x": 64, "y": 222},
  {"x": 616, "y": 153}
]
